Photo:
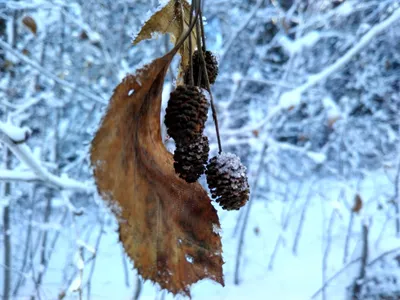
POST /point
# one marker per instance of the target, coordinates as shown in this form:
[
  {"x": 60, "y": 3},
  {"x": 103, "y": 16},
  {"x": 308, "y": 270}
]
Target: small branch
[
  {"x": 327, "y": 282},
  {"x": 356, "y": 260},
  {"x": 286, "y": 217},
  {"x": 207, "y": 82},
  {"x": 6, "y": 240},
  {"x": 324, "y": 74},
  {"x": 302, "y": 219},
  {"x": 348, "y": 235},
  {"x": 240, "y": 29},
  {"x": 396, "y": 200},
  {"x": 364, "y": 259},
  {"x": 247, "y": 214},
  {"x": 14, "y": 175},
  {"x": 326, "y": 253},
  {"x": 24, "y": 154},
  {"x": 43, "y": 71},
  {"x": 138, "y": 288}
]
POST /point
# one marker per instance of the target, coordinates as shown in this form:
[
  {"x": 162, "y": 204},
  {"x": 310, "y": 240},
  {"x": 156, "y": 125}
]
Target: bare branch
[
  {"x": 341, "y": 62},
  {"x": 43, "y": 71},
  {"x": 25, "y": 155}
]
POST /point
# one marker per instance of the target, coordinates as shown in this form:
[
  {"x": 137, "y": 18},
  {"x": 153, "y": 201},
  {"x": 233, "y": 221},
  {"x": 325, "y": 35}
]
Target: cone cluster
[{"x": 185, "y": 120}]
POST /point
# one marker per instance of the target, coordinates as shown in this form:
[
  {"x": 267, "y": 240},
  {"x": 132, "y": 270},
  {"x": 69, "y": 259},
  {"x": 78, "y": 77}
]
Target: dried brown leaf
[
  {"x": 167, "y": 226},
  {"x": 172, "y": 19},
  {"x": 29, "y": 22},
  {"x": 358, "y": 204}
]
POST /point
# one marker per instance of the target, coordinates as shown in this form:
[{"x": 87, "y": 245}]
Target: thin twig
[
  {"x": 203, "y": 35},
  {"x": 7, "y": 231},
  {"x": 61, "y": 82},
  {"x": 207, "y": 82},
  {"x": 191, "y": 49},
  {"x": 333, "y": 277},
  {"x": 125, "y": 267},
  {"x": 344, "y": 59},
  {"x": 363, "y": 267},
  {"x": 396, "y": 199},
  {"x": 138, "y": 288},
  {"x": 302, "y": 219},
  {"x": 240, "y": 29},
  {"x": 43, "y": 248},
  {"x": 27, "y": 244},
  {"x": 348, "y": 235},
  {"x": 247, "y": 214},
  {"x": 285, "y": 221},
  {"x": 23, "y": 153},
  {"x": 326, "y": 253}
]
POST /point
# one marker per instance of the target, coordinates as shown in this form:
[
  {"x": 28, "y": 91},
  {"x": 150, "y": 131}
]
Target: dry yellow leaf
[
  {"x": 172, "y": 19},
  {"x": 29, "y": 22}
]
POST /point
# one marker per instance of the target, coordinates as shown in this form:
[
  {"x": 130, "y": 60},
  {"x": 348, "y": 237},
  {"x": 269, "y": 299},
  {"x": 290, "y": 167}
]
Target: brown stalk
[{"x": 207, "y": 81}]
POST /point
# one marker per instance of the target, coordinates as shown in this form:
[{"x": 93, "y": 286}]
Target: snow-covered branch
[
  {"x": 11, "y": 137},
  {"x": 15, "y": 175},
  {"x": 292, "y": 98},
  {"x": 65, "y": 84}
]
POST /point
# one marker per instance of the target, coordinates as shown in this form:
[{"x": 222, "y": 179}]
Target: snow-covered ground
[{"x": 269, "y": 269}]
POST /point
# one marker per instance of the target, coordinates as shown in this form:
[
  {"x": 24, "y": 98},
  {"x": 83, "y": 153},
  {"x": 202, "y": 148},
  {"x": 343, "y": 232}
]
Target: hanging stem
[
  {"x": 191, "y": 48},
  {"x": 199, "y": 33},
  {"x": 203, "y": 36},
  {"x": 191, "y": 26}
]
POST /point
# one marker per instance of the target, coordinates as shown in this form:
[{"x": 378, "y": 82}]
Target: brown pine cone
[
  {"x": 227, "y": 180},
  {"x": 190, "y": 158},
  {"x": 211, "y": 65},
  {"x": 186, "y": 113}
]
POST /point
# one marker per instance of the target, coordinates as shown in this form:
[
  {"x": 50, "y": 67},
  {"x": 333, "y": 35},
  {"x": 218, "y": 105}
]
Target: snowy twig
[
  {"x": 293, "y": 97},
  {"x": 50, "y": 75},
  {"x": 364, "y": 259},
  {"x": 326, "y": 253},
  {"x": 247, "y": 213},
  {"x": 25, "y": 155},
  {"x": 14, "y": 175},
  {"x": 327, "y": 282},
  {"x": 286, "y": 217},
  {"x": 303, "y": 217},
  {"x": 138, "y": 288},
  {"x": 396, "y": 200},
  {"x": 240, "y": 29},
  {"x": 348, "y": 235}
]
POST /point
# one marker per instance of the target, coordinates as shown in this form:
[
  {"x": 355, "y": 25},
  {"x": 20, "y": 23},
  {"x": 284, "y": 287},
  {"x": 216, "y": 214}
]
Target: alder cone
[
  {"x": 186, "y": 113},
  {"x": 190, "y": 158},
  {"x": 227, "y": 180},
  {"x": 211, "y": 65}
]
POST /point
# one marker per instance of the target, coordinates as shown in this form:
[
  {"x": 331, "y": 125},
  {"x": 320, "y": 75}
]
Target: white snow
[
  {"x": 333, "y": 110},
  {"x": 306, "y": 41},
  {"x": 290, "y": 99},
  {"x": 16, "y": 134},
  {"x": 76, "y": 284},
  {"x": 345, "y": 8}
]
